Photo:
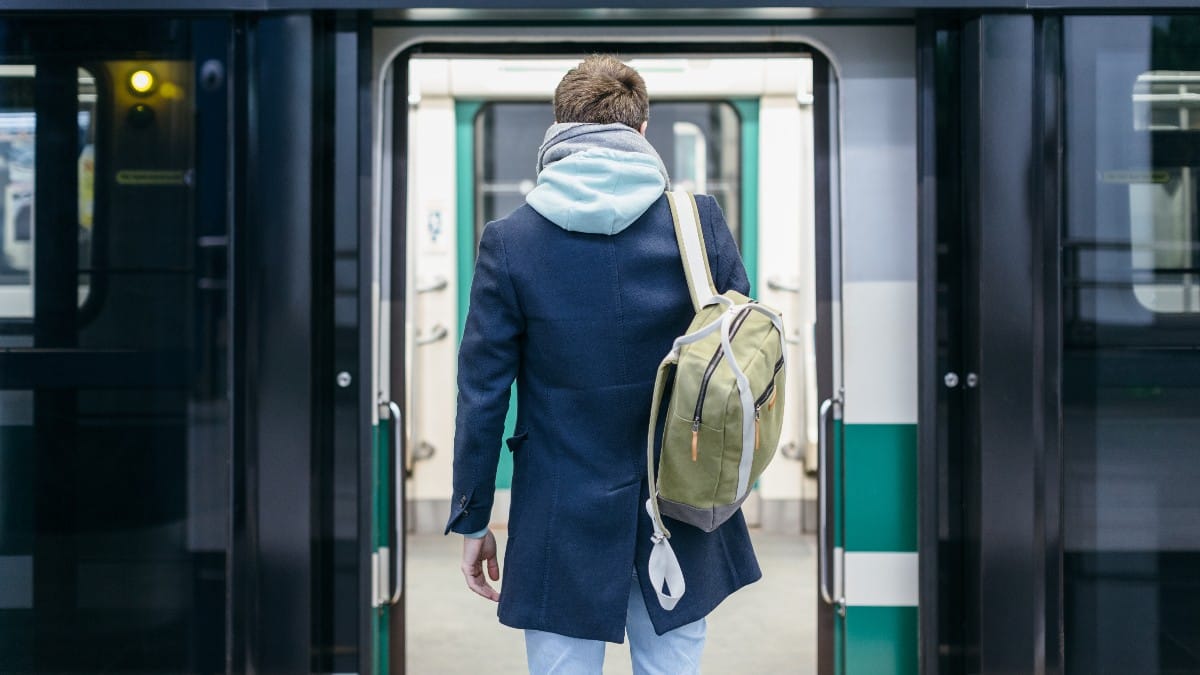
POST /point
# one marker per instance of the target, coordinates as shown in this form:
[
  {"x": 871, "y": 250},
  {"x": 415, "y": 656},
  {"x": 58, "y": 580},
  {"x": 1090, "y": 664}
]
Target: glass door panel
[
  {"x": 1131, "y": 324},
  {"x": 114, "y": 409}
]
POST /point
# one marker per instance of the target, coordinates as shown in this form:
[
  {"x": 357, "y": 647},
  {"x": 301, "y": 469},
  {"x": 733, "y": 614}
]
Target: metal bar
[
  {"x": 398, "y": 502},
  {"x": 438, "y": 334},
  {"x": 823, "y": 484},
  {"x": 438, "y": 284},
  {"x": 776, "y": 285}
]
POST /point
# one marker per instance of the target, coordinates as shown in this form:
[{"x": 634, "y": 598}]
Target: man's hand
[{"x": 475, "y": 552}]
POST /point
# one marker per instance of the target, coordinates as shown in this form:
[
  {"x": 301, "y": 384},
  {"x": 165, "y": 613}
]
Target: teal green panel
[
  {"x": 381, "y": 640},
  {"x": 748, "y": 112},
  {"x": 505, "y": 468},
  {"x": 382, "y": 516},
  {"x": 880, "y": 481},
  {"x": 381, "y": 482},
  {"x": 464, "y": 205},
  {"x": 881, "y": 641},
  {"x": 464, "y": 169},
  {"x": 839, "y": 513}
]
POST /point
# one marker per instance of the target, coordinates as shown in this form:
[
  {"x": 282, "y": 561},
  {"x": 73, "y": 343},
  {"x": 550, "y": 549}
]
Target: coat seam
[
  {"x": 512, "y": 288},
  {"x": 549, "y": 539},
  {"x": 612, "y": 251}
]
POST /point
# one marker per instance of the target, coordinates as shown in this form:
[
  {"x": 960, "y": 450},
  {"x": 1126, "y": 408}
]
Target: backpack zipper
[
  {"x": 766, "y": 398},
  {"x": 708, "y": 373}
]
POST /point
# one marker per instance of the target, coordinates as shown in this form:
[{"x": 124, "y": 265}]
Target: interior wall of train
[{"x": 738, "y": 129}]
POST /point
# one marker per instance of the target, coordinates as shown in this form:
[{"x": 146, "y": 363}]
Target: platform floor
[{"x": 767, "y": 627}]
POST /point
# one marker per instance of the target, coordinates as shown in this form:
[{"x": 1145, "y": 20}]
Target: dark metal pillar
[
  {"x": 278, "y": 343},
  {"x": 1004, "y": 347}
]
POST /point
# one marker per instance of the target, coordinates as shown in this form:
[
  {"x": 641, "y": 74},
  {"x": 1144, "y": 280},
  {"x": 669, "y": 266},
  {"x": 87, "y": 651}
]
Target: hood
[{"x": 598, "y": 190}]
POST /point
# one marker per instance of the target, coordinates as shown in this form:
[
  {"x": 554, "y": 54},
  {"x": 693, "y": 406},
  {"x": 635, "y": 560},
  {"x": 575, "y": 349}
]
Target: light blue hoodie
[{"x": 595, "y": 178}]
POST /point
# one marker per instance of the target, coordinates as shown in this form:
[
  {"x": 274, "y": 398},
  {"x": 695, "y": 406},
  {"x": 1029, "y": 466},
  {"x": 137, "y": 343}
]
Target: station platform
[{"x": 767, "y": 627}]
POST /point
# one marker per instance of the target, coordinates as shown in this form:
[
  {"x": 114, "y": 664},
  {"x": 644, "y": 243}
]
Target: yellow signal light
[{"x": 141, "y": 82}]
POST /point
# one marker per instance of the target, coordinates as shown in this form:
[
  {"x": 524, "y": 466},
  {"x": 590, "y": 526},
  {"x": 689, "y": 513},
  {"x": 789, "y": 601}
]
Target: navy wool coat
[{"x": 581, "y": 321}]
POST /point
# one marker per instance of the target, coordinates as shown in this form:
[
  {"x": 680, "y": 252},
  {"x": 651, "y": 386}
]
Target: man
[{"x": 578, "y": 294}]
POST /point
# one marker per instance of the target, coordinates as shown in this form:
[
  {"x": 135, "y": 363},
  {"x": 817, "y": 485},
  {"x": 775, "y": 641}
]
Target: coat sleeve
[
  {"x": 488, "y": 359},
  {"x": 729, "y": 273}
]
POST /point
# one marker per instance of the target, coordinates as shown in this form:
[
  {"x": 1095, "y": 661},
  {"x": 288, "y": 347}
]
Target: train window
[
  {"x": 1130, "y": 509},
  {"x": 114, "y": 344},
  {"x": 18, "y": 135},
  {"x": 699, "y": 142},
  {"x": 1162, "y": 202}
]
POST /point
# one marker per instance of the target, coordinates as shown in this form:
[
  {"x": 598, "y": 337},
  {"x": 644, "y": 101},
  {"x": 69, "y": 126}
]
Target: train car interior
[{"x": 710, "y": 116}]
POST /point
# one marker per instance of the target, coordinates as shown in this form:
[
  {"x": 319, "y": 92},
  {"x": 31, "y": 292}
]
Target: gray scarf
[{"x": 565, "y": 139}]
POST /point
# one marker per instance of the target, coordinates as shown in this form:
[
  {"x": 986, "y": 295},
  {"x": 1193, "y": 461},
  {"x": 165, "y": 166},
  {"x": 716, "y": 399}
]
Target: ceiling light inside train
[{"x": 141, "y": 82}]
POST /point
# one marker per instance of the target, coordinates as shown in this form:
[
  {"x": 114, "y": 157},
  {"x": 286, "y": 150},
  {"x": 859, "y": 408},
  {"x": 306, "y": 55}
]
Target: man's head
[{"x": 602, "y": 90}]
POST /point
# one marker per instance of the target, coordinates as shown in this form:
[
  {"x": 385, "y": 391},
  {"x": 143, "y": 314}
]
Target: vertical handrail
[
  {"x": 397, "y": 495},
  {"x": 825, "y": 487}
]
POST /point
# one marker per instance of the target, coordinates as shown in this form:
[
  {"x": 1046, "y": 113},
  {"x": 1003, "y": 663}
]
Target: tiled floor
[{"x": 768, "y": 627}]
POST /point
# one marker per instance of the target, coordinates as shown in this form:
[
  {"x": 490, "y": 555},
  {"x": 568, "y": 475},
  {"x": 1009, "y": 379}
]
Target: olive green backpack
[{"x": 726, "y": 408}]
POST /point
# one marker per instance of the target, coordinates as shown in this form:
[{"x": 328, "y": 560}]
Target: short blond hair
[{"x": 602, "y": 90}]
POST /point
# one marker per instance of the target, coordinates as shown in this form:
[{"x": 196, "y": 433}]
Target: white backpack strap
[
  {"x": 690, "y": 236},
  {"x": 664, "y": 566},
  {"x": 744, "y": 394}
]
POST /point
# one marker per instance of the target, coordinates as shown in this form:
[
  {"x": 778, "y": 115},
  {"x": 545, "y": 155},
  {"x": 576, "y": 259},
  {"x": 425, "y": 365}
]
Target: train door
[
  {"x": 433, "y": 202},
  {"x": 114, "y": 420},
  {"x": 1130, "y": 303},
  {"x": 1071, "y": 394}
]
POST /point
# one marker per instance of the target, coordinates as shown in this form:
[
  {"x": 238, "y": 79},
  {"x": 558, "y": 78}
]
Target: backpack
[{"x": 726, "y": 407}]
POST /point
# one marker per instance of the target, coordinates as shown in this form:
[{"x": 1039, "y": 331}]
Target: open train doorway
[
  {"x": 716, "y": 122},
  {"x": 465, "y": 130}
]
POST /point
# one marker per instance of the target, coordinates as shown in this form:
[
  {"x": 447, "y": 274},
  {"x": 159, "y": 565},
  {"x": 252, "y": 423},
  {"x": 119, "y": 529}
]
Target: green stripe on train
[
  {"x": 880, "y": 479},
  {"x": 881, "y": 641},
  {"x": 379, "y": 504},
  {"x": 747, "y": 110},
  {"x": 464, "y": 187}
]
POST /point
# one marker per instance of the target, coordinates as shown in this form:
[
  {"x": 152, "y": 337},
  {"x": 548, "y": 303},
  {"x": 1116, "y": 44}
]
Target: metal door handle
[
  {"x": 397, "y": 533},
  {"x": 438, "y": 333},
  {"x": 438, "y": 283},
  {"x": 777, "y": 285},
  {"x": 823, "y": 545}
]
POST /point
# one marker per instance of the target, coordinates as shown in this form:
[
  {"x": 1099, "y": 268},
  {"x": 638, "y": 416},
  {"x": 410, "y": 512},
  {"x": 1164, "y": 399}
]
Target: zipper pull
[
  {"x": 771, "y": 403},
  {"x": 695, "y": 437},
  {"x": 756, "y": 416}
]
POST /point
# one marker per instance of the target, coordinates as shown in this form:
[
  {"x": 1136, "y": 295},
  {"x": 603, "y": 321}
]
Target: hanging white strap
[
  {"x": 664, "y": 566},
  {"x": 690, "y": 236}
]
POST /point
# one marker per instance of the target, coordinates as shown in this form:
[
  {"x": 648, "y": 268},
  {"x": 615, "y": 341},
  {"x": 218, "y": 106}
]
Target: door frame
[{"x": 391, "y": 161}]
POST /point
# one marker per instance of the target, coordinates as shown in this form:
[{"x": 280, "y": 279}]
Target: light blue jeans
[{"x": 675, "y": 652}]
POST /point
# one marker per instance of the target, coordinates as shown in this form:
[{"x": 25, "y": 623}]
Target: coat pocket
[{"x": 518, "y": 439}]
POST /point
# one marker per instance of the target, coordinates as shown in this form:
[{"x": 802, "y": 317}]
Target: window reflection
[
  {"x": 115, "y": 452},
  {"x": 1130, "y": 372},
  {"x": 18, "y": 131},
  {"x": 1162, "y": 201}
]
